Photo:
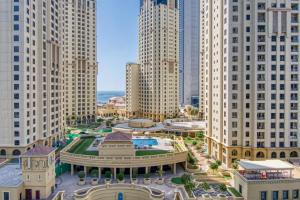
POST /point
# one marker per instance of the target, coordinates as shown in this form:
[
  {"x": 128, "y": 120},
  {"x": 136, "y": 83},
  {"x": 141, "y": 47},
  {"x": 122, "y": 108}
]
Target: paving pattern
[{"x": 68, "y": 183}]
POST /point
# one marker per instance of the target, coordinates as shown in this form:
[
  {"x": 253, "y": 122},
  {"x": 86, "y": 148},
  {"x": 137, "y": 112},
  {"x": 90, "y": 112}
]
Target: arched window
[
  {"x": 234, "y": 152},
  {"x": 282, "y": 155},
  {"x": 2, "y": 152},
  {"x": 247, "y": 154},
  {"x": 16, "y": 152},
  {"x": 260, "y": 155},
  {"x": 294, "y": 154},
  {"x": 273, "y": 155}
]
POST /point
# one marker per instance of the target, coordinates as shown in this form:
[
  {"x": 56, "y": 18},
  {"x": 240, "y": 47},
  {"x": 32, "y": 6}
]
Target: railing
[
  {"x": 125, "y": 161},
  {"x": 84, "y": 193},
  {"x": 258, "y": 181},
  {"x": 59, "y": 196}
]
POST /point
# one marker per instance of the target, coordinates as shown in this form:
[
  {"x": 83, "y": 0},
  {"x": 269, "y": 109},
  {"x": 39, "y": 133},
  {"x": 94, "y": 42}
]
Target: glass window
[
  {"x": 285, "y": 194},
  {"x": 275, "y": 195},
  {"x": 6, "y": 196},
  {"x": 263, "y": 195},
  {"x": 295, "y": 194}
]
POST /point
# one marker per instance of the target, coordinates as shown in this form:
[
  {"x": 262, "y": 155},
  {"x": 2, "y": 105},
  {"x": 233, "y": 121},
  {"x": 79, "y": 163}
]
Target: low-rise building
[
  {"x": 32, "y": 178},
  {"x": 267, "y": 180}
]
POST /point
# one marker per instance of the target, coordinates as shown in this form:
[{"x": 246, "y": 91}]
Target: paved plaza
[{"x": 68, "y": 183}]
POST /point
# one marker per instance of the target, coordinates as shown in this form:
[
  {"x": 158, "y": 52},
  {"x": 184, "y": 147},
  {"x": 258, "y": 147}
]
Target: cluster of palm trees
[
  {"x": 191, "y": 111},
  {"x": 74, "y": 120}
]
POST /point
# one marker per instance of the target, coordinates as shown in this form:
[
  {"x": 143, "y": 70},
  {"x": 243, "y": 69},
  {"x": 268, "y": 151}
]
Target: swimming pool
[{"x": 144, "y": 142}]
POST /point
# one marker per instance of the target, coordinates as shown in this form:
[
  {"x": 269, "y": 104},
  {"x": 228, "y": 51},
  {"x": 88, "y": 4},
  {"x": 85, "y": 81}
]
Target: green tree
[
  {"x": 214, "y": 166},
  {"x": 120, "y": 176},
  {"x": 81, "y": 174},
  {"x": 94, "y": 173},
  {"x": 107, "y": 174}
]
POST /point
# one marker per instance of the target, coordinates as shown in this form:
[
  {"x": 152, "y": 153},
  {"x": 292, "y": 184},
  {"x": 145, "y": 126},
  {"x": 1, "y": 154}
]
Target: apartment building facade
[
  {"x": 158, "y": 59},
  {"x": 132, "y": 90},
  {"x": 48, "y": 70},
  {"x": 251, "y": 72},
  {"x": 30, "y": 75},
  {"x": 78, "y": 18},
  {"x": 189, "y": 52}
]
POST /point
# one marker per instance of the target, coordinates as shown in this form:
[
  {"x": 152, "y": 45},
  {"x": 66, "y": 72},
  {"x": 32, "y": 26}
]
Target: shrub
[
  {"x": 188, "y": 138},
  {"x": 107, "y": 174},
  {"x": 81, "y": 174},
  {"x": 186, "y": 178},
  {"x": 191, "y": 159},
  {"x": 218, "y": 162},
  {"x": 134, "y": 175},
  {"x": 94, "y": 173},
  {"x": 160, "y": 173},
  {"x": 214, "y": 166},
  {"x": 120, "y": 176},
  {"x": 194, "y": 143},
  {"x": 147, "y": 175},
  {"x": 223, "y": 187},
  {"x": 205, "y": 186},
  {"x": 190, "y": 186},
  {"x": 200, "y": 135}
]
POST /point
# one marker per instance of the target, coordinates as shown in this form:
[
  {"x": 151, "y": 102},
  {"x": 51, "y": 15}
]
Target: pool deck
[{"x": 162, "y": 144}]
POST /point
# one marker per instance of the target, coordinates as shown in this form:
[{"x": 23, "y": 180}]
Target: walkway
[{"x": 68, "y": 183}]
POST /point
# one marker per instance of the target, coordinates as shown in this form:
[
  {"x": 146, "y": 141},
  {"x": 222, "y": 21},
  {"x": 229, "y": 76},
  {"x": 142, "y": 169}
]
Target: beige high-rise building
[
  {"x": 251, "y": 70},
  {"x": 132, "y": 90},
  {"x": 30, "y": 75},
  {"x": 80, "y": 65},
  {"x": 201, "y": 62},
  {"x": 158, "y": 59}
]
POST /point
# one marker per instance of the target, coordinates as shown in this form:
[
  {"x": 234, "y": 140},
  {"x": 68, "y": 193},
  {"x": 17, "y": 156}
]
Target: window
[
  {"x": 6, "y": 196},
  {"x": 275, "y": 195},
  {"x": 295, "y": 194},
  {"x": 263, "y": 195},
  {"x": 285, "y": 194}
]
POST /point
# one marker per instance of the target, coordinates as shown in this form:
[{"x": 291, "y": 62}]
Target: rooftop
[
  {"x": 39, "y": 151},
  {"x": 265, "y": 165},
  {"x": 10, "y": 175},
  {"x": 118, "y": 136}
]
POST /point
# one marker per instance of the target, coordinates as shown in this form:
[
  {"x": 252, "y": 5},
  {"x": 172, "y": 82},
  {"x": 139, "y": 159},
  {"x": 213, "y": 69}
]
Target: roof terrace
[{"x": 267, "y": 170}]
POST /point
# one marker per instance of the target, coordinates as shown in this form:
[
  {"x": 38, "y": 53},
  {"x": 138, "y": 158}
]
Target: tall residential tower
[
  {"x": 251, "y": 62},
  {"x": 30, "y": 75},
  {"x": 189, "y": 32},
  {"x": 79, "y": 59},
  {"x": 158, "y": 59}
]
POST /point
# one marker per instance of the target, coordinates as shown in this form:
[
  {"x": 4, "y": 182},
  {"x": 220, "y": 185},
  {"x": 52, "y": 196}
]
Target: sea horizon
[{"x": 104, "y": 95}]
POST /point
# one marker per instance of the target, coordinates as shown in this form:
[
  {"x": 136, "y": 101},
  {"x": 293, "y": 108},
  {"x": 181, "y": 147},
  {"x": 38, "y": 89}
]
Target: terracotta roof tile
[
  {"x": 39, "y": 151},
  {"x": 118, "y": 136}
]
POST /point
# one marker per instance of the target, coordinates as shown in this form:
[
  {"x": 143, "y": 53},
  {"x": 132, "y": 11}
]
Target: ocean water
[{"x": 104, "y": 96}]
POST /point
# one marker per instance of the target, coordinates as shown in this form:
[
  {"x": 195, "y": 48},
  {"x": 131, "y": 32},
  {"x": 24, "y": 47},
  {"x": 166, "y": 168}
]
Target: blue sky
[{"x": 117, "y": 41}]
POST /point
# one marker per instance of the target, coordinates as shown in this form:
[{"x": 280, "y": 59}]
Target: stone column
[
  {"x": 99, "y": 172},
  {"x": 146, "y": 170},
  {"x": 72, "y": 169},
  {"x": 161, "y": 168},
  {"x": 174, "y": 169},
  {"x": 85, "y": 170},
  {"x": 130, "y": 172},
  {"x": 115, "y": 173}
]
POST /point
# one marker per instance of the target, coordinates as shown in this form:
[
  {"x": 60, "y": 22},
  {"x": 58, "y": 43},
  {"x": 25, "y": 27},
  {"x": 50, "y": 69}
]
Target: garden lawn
[
  {"x": 177, "y": 180},
  {"x": 150, "y": 152},
  {"x": 81, "y": 147}
]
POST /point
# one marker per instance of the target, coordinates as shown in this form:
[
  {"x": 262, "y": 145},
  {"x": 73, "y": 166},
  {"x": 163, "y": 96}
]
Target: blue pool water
[{"x": 144, "y": 142}]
